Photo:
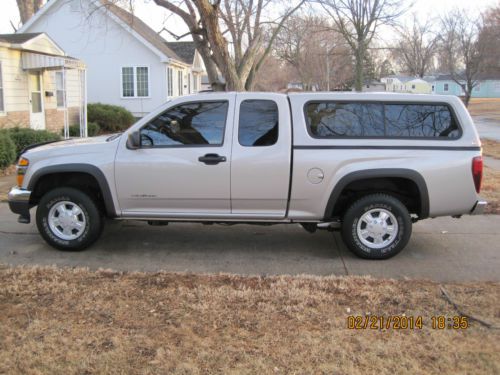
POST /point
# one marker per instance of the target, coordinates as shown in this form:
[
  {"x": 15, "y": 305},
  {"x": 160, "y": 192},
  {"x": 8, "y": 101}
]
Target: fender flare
[
  {"x": 381, "y": 173},
  {"x": 76, "y": 168}
]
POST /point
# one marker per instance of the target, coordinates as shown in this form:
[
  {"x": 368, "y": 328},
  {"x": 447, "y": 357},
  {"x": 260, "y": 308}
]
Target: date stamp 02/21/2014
[{"x": 403, "y": 322}]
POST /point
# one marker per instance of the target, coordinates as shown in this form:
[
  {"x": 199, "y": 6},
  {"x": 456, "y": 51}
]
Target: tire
[
  {"x": 68, "y": 219},
  {"x": 377, "y": 226}
]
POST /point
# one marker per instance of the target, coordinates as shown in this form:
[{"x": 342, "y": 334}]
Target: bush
[
  {"x": 110, "y": 118},
  {"x": 93, "y": 129},
  {"x": 23, "y": 137},
  {"x": 7, "y": 150}
]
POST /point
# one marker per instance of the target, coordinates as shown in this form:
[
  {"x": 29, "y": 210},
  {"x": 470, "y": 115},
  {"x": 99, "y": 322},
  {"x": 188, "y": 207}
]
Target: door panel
[
  {"x": 260, "y": 164},
  {"x": 183, "y": 168}
]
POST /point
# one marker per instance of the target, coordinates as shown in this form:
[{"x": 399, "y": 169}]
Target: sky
[{"x": 157, "y": 17}]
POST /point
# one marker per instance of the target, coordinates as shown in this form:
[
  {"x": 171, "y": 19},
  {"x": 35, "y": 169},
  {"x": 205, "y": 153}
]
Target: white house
[
  {"x": 128, "y": 63},
  {"x": 395, "y": 83},
  {"x": 41, "y": 87}
]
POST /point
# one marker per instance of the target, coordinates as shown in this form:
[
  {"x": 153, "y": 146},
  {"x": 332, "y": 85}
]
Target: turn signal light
[
  {"x": 477, "y": 172},
  {"x": 23, "y": 162},
  {"x": 22, "y": 166}
]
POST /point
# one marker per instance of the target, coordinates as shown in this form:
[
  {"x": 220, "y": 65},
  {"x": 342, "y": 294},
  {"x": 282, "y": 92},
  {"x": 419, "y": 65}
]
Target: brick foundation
[
  {"x": 54, "y": 120},
  {"x": 13, "y": 119}
]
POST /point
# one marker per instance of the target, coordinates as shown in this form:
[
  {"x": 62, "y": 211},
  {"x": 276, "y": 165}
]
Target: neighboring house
[
  {"x": 41, "y": 87},
  {"x": 128, "y": 63},
  {"x": 372, "y": 86},
  {"x": 405, "y": 84},
  {"x": 488, "y": 86}
]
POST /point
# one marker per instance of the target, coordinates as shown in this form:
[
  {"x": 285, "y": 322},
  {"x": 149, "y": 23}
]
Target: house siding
[
  {"x": 487, "y": 89},
  {"x": 17, "y": 96},
  {"x": 105, "y": 47}
]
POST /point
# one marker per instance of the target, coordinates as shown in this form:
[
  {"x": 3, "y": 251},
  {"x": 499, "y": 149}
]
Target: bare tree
[
  {"x": 489, "y": 37},
  {"x": 462, "y": 51},
  {"x": 416, "y": 47},
  {"x": 244, "y": 22},
  {"x": 358, "y": 22},
  {"x": 317, "y": 53},
  {"x": 27, "y": 8}
]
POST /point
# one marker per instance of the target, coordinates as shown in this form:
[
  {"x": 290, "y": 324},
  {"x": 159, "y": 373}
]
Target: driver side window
[{"x": 189, "y": 124}]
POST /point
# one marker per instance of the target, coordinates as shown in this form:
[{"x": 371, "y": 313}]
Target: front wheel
[
  {"x": 68, "y": 219},
  {"x": 377, "y": 226}
]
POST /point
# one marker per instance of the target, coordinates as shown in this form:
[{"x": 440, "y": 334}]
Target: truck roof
[{"x": 350, "y": 95}]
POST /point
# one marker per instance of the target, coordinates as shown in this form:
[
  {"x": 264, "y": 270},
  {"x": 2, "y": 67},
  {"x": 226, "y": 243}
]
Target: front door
[
  {"x": 37, "y": 113},
  {"x": 183, "y": 166}
]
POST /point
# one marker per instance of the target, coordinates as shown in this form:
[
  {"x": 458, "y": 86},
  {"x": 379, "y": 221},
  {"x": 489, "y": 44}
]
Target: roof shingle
[{"x": 142, "y": 29}]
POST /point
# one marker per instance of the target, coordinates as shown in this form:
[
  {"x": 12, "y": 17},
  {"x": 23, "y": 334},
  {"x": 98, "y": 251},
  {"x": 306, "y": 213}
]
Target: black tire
[
  {"x": 355, "y": 213},
  {"x": 89, "y": 213}
]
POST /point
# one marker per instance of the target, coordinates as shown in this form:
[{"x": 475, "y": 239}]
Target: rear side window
[
  {"x": 345, "y": 119},
  {"x": 350, "y": 120},
  {"x": 420, "y": 121},
  {"x": 258, "y": 123}
]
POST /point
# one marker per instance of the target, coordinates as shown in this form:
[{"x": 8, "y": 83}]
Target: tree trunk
[
  {"x": 359, "y": 78},
  {"x": 27, "y": 8},
  {"x": 468, "y": 94}
]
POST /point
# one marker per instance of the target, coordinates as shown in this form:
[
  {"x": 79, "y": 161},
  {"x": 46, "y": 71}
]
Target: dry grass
[
  {"x": 57, "y": 321},
  {"x": 491, "y": 148},
  {"x": 487, "y": 107},
  {"x": 490, "y": 190}
]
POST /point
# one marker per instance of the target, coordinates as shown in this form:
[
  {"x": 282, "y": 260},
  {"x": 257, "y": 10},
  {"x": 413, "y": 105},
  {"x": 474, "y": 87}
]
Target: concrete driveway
[
  {"x": 487, "y": 127},
  {"x": 441, "y": 249}
]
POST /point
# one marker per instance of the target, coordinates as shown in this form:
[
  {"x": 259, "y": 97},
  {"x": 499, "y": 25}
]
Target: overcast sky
[{"x": 156, "y": 17}]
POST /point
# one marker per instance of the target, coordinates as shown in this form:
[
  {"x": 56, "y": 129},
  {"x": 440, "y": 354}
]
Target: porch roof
[{"x": 37, "y": 61}]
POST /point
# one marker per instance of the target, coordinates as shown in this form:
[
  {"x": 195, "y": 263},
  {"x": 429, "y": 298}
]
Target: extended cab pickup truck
[{"x": 367, "y": 164}]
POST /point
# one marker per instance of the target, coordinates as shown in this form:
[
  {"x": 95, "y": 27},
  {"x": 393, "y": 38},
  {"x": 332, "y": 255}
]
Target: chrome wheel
[
  {"x": 377, "y": 228},
  {"x": 67, "y": 220}
]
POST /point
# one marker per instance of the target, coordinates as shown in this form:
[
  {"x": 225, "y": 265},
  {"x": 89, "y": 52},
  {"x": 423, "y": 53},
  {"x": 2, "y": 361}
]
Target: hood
[{"x": 72, "y": 146}]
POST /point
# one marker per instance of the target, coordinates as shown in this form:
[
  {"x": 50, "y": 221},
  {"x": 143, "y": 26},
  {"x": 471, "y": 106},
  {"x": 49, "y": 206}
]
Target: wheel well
[
  {"x": 78, "y": 180},
  {"x": 406, "y": 190}
]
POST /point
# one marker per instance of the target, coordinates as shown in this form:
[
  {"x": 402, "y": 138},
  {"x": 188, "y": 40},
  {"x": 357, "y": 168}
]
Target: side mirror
[{"x": 134, "y": 140}]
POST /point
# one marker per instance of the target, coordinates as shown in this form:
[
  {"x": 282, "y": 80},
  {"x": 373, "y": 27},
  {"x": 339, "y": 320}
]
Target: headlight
[{"x": 21, "y": 168}]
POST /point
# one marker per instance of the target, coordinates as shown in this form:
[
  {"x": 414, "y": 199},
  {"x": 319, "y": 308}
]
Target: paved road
[
  {"x": 487, "y": 128},
  {"x": 441, "y": 249}
]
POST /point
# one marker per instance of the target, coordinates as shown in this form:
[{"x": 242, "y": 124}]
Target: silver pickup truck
[{"x": 367, "y": 164}]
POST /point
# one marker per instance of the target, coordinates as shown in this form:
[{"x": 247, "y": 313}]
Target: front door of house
[{"x": 37, "y": 113}]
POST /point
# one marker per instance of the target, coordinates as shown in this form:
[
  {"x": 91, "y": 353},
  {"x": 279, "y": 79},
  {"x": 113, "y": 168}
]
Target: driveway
[
  {"x": 487, "y": 127},
  {"x": 441, "y": 249}
]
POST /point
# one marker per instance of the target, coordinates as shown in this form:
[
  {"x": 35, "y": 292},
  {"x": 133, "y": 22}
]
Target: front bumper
[
  {"x": 479, "y": 207},
  {"x": 19, "y": 203}
]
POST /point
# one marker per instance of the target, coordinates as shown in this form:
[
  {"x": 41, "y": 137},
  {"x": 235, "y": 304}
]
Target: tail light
[{"x": 477, "y": 172}]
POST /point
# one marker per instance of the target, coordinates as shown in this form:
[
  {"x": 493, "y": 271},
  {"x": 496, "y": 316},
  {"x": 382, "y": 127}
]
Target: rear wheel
[
  {"x": 377, "y": 226},
  {"x": 68, "y": 219}
]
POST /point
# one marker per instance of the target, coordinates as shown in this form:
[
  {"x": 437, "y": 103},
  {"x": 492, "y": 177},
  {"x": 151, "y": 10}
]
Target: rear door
[{"x": 261, "y": 155}]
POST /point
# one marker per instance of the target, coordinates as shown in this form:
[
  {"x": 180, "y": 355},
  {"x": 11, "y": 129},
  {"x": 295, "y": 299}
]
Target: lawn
[
  {"x": 487, "y": 107},
  {"x": 69, "y": 321}
]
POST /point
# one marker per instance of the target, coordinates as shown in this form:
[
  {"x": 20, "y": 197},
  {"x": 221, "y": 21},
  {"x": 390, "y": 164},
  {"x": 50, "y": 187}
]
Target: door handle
[{"x": 212, "y": 159}]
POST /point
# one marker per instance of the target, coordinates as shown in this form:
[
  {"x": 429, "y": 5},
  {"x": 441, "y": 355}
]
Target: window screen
[
  {"x": 128, "y": 82},
  {"x": 2, "y": 105},
  {"x": 258, "y": 123},
  {"x": 60, "y": 93},
  {"x": 142, "y": 81},
  {"x": 200, "y": 123}
]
